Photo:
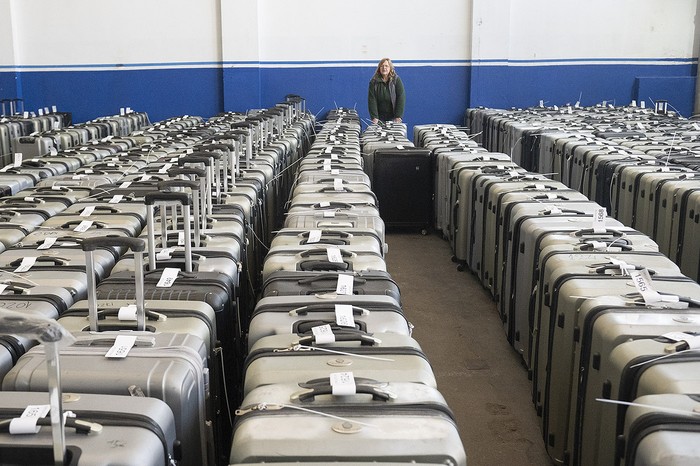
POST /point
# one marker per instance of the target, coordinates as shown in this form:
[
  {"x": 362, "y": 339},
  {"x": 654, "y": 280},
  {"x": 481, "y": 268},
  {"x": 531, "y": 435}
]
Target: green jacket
[{"x": 386, "y": 101}]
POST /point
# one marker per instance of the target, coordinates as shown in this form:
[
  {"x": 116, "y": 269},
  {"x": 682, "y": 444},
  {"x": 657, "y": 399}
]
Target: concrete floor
[{"x": 478, "y": 372}]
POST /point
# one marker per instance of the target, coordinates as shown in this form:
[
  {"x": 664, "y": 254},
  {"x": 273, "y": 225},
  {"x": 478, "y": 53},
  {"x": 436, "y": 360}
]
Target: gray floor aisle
[{"x": 477, "y": 371}]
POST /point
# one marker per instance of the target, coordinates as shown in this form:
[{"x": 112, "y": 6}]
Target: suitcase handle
[
  {"x": 328, "y": 276},
  {"x": 52, "y": 260},
  {"x": 309, "y": 252},
  {"x": 218, "y": 146},
  {"x": 321, "y": 265},
  {"x": 137, "y": 246},
  {"x": 363, "y": 338},
  {"x": 591, "y": 231},
  {"x": 614, "y": 243},
  {"x": 180, "y": 198},
  {"x": 329, "y": 241},
  {"x": 305, "y": 310},
  {"x": 73, "y": 223},
  {"x": 566, "y": 211},
  {"x": 163, "y": 185},
  {"x": 311, "y": 393},
  {"x": 342, "y": 234},
  {"x": 80, "y": 426},
  {"x": 333, "y": 205},
  {"x": 197, "y": 172},
  {"x": 191, "y": 158},
  {"x": 601, "y": 269}
]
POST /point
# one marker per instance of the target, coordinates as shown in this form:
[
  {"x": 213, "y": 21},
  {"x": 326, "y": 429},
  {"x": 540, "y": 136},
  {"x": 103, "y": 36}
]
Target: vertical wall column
[
  {"x": 10, "y": 82},
  {"x": 240, "y": 45},
  {"x": 490, "y": 49}
]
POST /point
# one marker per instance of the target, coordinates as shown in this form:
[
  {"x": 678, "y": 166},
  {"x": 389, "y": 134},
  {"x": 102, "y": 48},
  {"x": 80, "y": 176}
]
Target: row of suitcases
[
  {"x": 332, "y": 374},
  {"x": 194, "y": 197},
  {"x": 601, "y": 318},
  {"x": 642, "y": 166},
  {"x": 52, "y": 132}
]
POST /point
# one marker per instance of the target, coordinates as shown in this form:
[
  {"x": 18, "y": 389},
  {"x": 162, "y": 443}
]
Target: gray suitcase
[
  {"x": 289, "y": 358},
  {"x": 319, "y": 258},
  {"x": 86, "y": 370},
  {"x": 389, "y": 422},
  {"x": 145, "y": 425},
  {"x": 634, "y": 368},
  {"x": 359, "y": 237},
  {"x": 662, "y": 430},
  {"x": 275, "y": 315}
]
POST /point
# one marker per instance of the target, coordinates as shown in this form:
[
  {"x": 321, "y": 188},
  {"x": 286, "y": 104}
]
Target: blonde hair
[{"x": 392, "y": 71}]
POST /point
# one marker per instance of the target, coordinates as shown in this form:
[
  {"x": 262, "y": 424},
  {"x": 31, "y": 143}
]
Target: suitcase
[
  {"x": 557, "y": 341},
  {"x": 101, "y": 424},
  {"x": 11, "y": 348},
  {"x": 321, "y": 259},
  {"x": 634, "y": 368},
  {"x": 284, "y": 283},
  {"x": 403, "y": 182},
  {"x": 288, "y": 358},
  {"x": 390, "y": 422},
  {"x": 86, "y": 370},
  {"x": 356, "y": 237},
  {"x": 147, "y": 425},
  {"x": 353, "y": 218},
  {"x": 661, "y": 430},
  {"x": 276, "y": 315}
]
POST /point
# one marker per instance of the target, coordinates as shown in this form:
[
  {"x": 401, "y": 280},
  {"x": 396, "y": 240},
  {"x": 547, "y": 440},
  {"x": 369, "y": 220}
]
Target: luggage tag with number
[
  {"x": 48, "y": 242},
  {"x": 83, "y": 226},
  {"x": 314, "y": 236},
  {"x": 334, "y": 255},
  {"x": 323, "y": 333},
  {"x": 343, "y": 383},
  {"x": 338, "y": 184},
  {"x": 26, "y": 264},
  {"x": 27, "y": 422},
  {"x": 344, "y": 316},
  {"x": 116, "y": 199},
  {"x": 167, "y": 279},
  {"x": 87, "y": 211},
  {"x": 122, "y": 346},
  {"x": 345, "y": 285},
  {"x": 599, "y": 221}
]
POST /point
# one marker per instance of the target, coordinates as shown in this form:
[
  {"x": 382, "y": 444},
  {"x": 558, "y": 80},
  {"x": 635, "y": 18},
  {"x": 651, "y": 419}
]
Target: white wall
[
  {"x": 71, "y": 32},
  {"x": 7, "y": 52},
  {"x": 339, "y": 30},
  {"x": 573, "y": 29}
]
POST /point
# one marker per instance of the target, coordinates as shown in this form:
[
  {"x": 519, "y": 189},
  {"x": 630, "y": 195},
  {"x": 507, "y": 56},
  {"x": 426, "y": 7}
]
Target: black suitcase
[{"x": 403, "y": 183}]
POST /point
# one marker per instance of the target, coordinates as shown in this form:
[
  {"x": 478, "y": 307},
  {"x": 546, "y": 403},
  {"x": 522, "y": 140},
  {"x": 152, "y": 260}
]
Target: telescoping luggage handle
[
  {"x": 199, "y": 219},
  {"x": 137, "y": 245},
  {"x": 51, "y": 334},
  {"x": 183, "y": 199}
]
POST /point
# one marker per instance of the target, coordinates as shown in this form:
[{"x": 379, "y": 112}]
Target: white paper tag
[
  {"x": 343, "y": 315},
  {"x": 540, "y": 187},
  {"x": 25, "y": 115},
  {"x": 399, "y": 147},
  {"x": 598, "y": 245},
  {"x": 122, "y": 346},
  {"x": 18, "y": 159},
  {"x": 41, "y": 112},
  {"x": 327, "y": 150},
  {"x": 87, "y": 211},
  {"x": 36, "y": 411},
  {"x": 335, "y": 171},
  {"x": 24, "y": 425},
  {"x": 83, "y": 226},
  {"x": 48, "y": 242},
  {"x": 334, "y": 255},
  {"x": 314, "y": 236},
  {"x": 27, "y": 263},
  {"x": 165, "y": 254},
  {"x": 324, "y": 204},
  {"x": 53, "y": 151},
  {"x": 642, "y": 281},
  {"x": 116, "y": 199},
  {"x": 345, "y": 285},
  {"x": 599, "y": 220},
  {"x": 125, "y": 184},
  {"x": 165, "y": 168},
  {"x": 79, "y": 176},
  {"x": 168, "y": 278},
  {"x": 338, "y": 184},
  {"x": 127, "y": 312},
  {"x": 323, "y": 333},
  {"x": 54, "y": 109},
  {"x": 145, "y": 178},
  {"x": 343, "y": 383},
  {"x": 555, "y": 210},
  {"x": 122, "y": 111},
  {"x": 180, "y": 238},
  {"x": 334, "y": 156},
  {"x": 513, "y": 173},
  {"x": 329, "y": 214},
  {"x": 2, "y": 287}
]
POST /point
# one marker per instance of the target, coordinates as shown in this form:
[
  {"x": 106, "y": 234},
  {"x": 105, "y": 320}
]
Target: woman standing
[{"x": 386, "y": 98}]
